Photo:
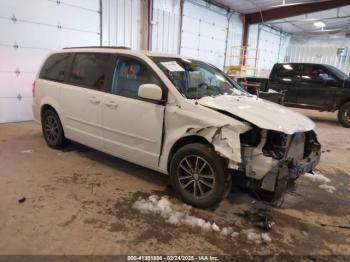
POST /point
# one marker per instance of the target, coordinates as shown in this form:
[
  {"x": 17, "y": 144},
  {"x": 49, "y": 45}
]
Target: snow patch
[
  {"x": 257, "y": 238},
  {"x": 328, "y": 188},
  {"x": 27, "y": 151},
  {"x": 163, "y": 207},
  {"x": 234, "y": 234},
  {"x": 322, "y": 180},
  {"x": 265, "y": 238},
  {"x": 317, "y": 177}
]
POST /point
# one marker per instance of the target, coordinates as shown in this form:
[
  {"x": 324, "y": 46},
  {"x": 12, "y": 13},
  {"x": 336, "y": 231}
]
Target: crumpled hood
[{"x": 262, "y": 113}]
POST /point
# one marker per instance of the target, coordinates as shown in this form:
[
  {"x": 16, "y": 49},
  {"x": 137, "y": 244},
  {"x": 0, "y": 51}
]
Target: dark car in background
[{"x": 311, "y": 86}]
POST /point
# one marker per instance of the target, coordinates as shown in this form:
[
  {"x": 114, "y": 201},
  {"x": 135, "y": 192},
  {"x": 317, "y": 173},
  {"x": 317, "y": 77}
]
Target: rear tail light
[{"x": 33, "y": 89}]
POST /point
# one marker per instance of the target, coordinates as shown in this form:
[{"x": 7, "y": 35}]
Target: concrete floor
[{"x": 79, "y": 201}]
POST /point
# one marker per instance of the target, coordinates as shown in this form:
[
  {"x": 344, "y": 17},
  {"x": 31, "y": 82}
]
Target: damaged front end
[{"x": 272, "y": 158}]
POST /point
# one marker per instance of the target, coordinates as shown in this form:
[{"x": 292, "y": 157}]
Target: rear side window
[
  {"x": 286, "y": 72},
  {"x": 55, "y": 67},
  {"x": 90, "y": 70}
]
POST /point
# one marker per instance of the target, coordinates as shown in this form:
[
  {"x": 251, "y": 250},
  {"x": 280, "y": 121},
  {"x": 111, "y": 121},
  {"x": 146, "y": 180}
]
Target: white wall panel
[
  {"x": 252, "y": 49},
  {"x": 285, "y": 42},
  {"x": 266, "y": 47},
  {"x": 320, "y": 49},
  {"x": 165, "y": 26},
  {"x": 204, "y": 32},
  {"x": 85, "y": 4},
  {"x": 29, "y": 30},
  {"x": 234, "y": 40},
  {"x": 124, "y": 23},
  {"x": 268, "y": 51}
]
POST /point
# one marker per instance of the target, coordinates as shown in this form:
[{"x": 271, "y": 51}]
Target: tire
[
  {"x": 52, "y": 130},
  {"x": 202, "y": 185},
  {"x": 344, "y": 115}
]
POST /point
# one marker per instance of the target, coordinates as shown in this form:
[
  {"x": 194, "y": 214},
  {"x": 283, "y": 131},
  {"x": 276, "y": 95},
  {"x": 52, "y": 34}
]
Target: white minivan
[{"x": 173, "y": 114}]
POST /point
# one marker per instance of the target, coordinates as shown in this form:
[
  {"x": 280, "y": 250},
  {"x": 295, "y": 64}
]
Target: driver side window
[
  {"x": 129, "y": 75},
  {"x": 316, "y": 73}
]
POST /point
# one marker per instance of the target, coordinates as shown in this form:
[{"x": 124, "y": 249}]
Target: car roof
[
  {"x": 117, "y": 49},
  {"x": 301, "y": 64}
]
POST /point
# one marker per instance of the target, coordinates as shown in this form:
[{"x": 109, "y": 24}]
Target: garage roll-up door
[
  {"x": 204, "y": 32},
  {"x": 29, "y": 31},
  {"x": 269, "y": 49}
]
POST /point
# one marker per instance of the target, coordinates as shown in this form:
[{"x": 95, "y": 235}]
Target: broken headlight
[
  {"x": 276, "y": 145},
  {"x": 311, "y": 143},
  {"x": 252, "y": 137}
]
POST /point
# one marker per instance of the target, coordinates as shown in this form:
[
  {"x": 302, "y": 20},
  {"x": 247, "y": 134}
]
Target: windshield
[{"x": 195, "y": 79}]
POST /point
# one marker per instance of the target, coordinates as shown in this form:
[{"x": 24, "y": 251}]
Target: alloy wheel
[
  {"x": 196, "y": 176},
  {"x": 51, "y": 129},
  {"x": 346, "y": 115}
]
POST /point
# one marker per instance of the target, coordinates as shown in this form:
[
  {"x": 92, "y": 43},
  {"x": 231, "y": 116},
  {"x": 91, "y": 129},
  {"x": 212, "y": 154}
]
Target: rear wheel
[
  {"x": 198, "y": 175},
  {"x": 344, "y": 115},
  {"x": 52, "y": 130}
]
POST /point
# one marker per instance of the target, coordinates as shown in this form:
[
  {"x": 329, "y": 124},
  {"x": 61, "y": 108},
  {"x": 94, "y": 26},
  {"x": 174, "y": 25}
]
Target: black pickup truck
[{"x": 312, "y": 86}]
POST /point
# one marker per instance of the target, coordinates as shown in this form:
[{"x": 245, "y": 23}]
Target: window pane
[
  {"x": 287, "y": 72},
  {"x": 90, "y": 70},
  {"x": 202, "y": 81},
  {"x": 195, "y": 79},
  {"x": 316, "y": 73},
  {"x": 55, "y": 67},
  {"x": 129, "y": 75}
]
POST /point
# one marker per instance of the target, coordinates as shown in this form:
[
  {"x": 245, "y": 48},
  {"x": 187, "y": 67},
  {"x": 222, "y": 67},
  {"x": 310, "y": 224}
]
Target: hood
[{"x": 262, "y": 113}]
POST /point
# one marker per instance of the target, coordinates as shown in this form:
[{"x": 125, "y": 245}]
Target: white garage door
[
  {"x": 201, "y": 37},
  {"x": 269, "y": 49},
  {"x": 31, "y": 29}
]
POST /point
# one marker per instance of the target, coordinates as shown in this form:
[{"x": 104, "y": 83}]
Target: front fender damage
[
  {"x": 225, "y": 140},
  {"x": 221, "y": 131}
]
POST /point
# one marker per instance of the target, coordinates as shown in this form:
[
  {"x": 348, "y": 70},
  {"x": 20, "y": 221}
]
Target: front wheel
[
  {"x": 198, "y": 175},
  {"x": 344, "y": 115}
]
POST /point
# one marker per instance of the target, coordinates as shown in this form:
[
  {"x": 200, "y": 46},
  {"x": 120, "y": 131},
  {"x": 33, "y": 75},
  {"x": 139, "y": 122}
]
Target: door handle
[
  {"x": 94, "y": 100},
  {"x": 111, "y": 105}
]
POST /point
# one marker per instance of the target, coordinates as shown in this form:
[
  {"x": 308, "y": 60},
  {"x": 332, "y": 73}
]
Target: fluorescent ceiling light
[{"x": 319, "y": 24}]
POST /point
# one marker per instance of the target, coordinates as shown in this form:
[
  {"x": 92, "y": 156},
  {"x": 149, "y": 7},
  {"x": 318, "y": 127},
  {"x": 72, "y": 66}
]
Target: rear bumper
[{"x": 36, "y": 113}]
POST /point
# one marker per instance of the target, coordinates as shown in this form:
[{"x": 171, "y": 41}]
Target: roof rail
[{"x": 111, "y": 47}]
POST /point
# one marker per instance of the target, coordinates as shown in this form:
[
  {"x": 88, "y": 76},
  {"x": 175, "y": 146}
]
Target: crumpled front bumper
[
  {"x": 279, "y": 158},
  {"x": 297, "y": 169},
  {"x": 286, "y": 170}
]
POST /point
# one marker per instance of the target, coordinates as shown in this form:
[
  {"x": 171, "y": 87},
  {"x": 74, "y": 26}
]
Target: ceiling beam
[
  {"x": 289, "y": 11},
  {"x": 308, "y": 20}
]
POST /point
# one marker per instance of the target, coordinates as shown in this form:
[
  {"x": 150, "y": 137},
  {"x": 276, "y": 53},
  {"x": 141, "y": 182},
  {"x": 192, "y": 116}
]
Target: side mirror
[{"x": 150, "y": 91}]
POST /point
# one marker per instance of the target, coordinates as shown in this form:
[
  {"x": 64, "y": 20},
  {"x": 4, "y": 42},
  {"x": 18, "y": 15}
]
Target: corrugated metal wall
[
  {"x": 166, "y": 26},
  {"x": 28, "y": 33},
  {"x": 203, "y": 33},
  {"x": 320, "y": 50},
  {"x": 124, "y": 23}
]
